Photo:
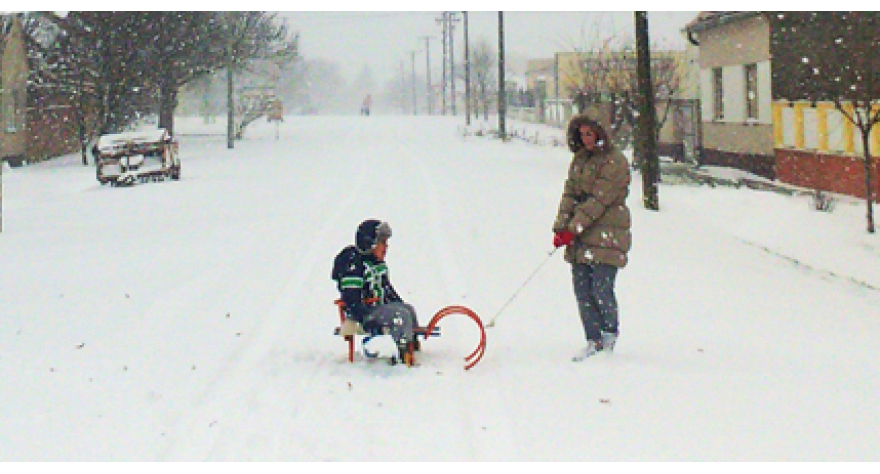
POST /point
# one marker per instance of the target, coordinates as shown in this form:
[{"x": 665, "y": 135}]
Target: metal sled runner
[{"x": 432, "y": 329}]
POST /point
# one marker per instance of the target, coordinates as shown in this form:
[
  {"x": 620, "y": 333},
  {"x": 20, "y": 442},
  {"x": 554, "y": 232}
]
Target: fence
[{"x": 819, "y": 127}]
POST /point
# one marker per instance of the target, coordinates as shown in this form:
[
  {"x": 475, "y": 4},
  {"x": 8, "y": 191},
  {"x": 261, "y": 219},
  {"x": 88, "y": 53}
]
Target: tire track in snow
[
  {"x": 484, "y": 419},
  {"x": 809, "y": 268},
  {"x": 198, "y": 434}
]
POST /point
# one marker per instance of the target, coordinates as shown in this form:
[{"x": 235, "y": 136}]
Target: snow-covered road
[{"x": 193, "y": 320}]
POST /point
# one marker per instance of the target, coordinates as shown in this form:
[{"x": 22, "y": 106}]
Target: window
[
  {"x": 717, "y": 94},
  {"x": 751, "y": 71}
]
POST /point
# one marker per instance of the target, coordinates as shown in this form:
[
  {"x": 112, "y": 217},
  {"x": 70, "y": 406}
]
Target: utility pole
[
  {"x": 650, "y": 166},
  {"x": 428, "y": 72},
  {"x": 402, "y": 88},
  {"x": 444, "y": 24},
  {"x": 502, "y": 100},
  {"x": 412, "y": 54},
  {"x": 230, "y": 84},
  {"x": 467, "y": 72},
  {"x": 451, "y": 19},
  {"x": 556, "y": 89}
]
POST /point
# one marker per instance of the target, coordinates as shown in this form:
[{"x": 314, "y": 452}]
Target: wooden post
[
  {"x": 848, "y": 130},
  {"x": 415, "y": 106},
  {"x": 875, "y": 134},
  {"x": 467, "y": 72},
  {"x": 799, "y": 140},
  {"x": 502, "y": 100},
  {"x": 647, "y": 128},
  {"x": 822, "y": 125},
  {"x": 778, "y": 133},
  {"x": 230, "y": 82},
  {"x": 428, "y": 72}
]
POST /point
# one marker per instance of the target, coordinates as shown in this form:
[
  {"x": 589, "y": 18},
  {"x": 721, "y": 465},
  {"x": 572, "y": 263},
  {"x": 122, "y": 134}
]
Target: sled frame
[{"x": 425, "y": 332}]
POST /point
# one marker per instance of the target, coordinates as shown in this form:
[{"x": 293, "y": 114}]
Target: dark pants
[
  {"x": 396, "y": 319},
  {"x": 594, "y": 291}
]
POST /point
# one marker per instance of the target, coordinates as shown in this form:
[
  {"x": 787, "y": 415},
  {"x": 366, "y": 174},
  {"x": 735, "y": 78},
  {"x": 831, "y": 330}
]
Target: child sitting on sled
[{"x": 372, "y": 306}]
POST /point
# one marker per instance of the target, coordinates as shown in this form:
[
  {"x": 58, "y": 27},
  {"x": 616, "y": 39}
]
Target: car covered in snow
[{"x": 122, "y": 159}]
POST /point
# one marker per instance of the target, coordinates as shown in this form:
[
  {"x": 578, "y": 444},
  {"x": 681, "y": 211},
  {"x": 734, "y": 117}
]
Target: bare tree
[
  {"x": 832, "y": 56},
  {"x": 604, "y": 72},
  {"x": 183, "y": 50},
  {"x": 483, "y": 74},
  {"x": 81, "y": 59},
  {"x": 250, "y": 37}
]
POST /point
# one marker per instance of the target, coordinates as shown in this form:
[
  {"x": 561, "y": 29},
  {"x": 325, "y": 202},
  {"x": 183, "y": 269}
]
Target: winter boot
[
  {"x": 609, "y": 339},
  {"x": 592, "y": 348}
]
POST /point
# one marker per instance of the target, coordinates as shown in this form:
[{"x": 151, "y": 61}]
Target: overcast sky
[{"x": 382, "y": 39}]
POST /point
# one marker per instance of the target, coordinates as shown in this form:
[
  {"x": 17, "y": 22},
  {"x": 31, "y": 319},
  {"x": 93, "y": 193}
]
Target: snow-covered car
[{"x": 123, "y": 159}]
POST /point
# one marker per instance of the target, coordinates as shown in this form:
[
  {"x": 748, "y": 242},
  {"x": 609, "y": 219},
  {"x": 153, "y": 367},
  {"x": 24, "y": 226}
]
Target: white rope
[{"x": 516, "y": 293}]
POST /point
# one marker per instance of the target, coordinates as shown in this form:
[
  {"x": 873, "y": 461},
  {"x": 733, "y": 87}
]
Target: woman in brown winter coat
[{"x": 593, "y": 223}]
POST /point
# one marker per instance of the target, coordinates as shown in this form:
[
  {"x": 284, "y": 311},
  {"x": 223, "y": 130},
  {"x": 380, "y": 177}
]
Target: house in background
[
  {"x": 822, "y": 60},
  {"x": 38, "y": 116},
  {"x": 593, "y": 82},
  {"x": 735, "y": 90},
  {"x": 758, "y": 103},
  {"x": 13, "y": 95},
  {"x": 540, "y": 80}
]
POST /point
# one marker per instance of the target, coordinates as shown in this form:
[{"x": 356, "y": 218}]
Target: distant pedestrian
[
  {"x": 366, "y": 104},
  {"x": 593, "y": 223}
]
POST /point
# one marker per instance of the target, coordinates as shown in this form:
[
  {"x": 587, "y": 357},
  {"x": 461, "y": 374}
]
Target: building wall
[
  {"x": 13, "y": 97},
  {"x": 741, "y": 146},
  {"x": 539, "y": 70},
  {"x": 817, "y": 147},
  {"x": 844, "y": 174},
  {"x": 743, "y": 41},
  {"x": 735, "y": 139}
]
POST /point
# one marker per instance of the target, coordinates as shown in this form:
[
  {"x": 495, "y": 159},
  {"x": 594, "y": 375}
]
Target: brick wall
[{"x": 828, "y": 172}]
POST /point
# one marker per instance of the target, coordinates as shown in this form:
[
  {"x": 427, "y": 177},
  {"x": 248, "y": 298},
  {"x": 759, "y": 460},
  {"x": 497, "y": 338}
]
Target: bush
[{"x": 823, "y": 202}]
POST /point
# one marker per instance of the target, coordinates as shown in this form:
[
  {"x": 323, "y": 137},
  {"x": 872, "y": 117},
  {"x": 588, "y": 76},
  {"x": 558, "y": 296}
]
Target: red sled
[{"x": 432, "y": 329}]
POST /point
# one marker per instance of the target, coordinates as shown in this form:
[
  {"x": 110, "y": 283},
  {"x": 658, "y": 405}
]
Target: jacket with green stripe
[{"x": 360, "y": 277}]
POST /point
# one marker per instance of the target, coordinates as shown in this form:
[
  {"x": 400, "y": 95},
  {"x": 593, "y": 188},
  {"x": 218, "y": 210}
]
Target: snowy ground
[{"x": 192, "y": 320}]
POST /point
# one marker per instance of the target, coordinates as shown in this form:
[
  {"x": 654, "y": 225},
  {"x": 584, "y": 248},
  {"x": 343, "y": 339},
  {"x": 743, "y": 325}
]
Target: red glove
[{"x": 563, "y": 238}]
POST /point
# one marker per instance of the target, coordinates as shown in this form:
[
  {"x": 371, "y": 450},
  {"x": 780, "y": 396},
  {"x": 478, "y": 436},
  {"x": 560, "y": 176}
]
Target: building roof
[{"x": 707, "y": 20}]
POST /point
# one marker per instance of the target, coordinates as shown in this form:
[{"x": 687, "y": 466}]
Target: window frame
[
  {"x": 751, "y": 92},
  {"x": 717, "y": 94}
]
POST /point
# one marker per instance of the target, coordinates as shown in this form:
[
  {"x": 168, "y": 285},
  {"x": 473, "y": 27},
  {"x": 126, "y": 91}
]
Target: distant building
[
  {"x": 760, "y": 107},
  {"x": 735, "y": 90},
  {"x": 38, "y": 117},
  {"x": 593, "y": 82}
]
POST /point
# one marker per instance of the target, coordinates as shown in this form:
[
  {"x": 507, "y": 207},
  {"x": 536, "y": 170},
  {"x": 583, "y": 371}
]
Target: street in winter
[{"x": 193, "y": 319}]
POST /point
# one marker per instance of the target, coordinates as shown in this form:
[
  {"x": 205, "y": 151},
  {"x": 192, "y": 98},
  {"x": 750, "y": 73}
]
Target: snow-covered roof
[
  {"x": 707, "y": 20},
  {"x": 115, "y": 140}
]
